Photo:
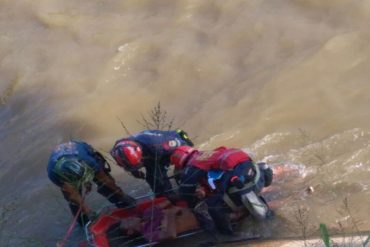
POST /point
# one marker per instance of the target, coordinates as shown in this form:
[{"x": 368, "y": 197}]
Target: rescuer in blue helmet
[{"x": 73, "y": 166}]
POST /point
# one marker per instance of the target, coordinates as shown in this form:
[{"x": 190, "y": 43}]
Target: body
[{"x": 159, "y": 222}]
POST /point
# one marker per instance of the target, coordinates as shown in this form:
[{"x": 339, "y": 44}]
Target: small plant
[
  {"x": 157, "y": 119},
  {"x": 342, "y": 231},
  {"x": 367, "y": 241},
  {"x": 349, "y": 228},
  {"x": 346, "y": 211},
  {"x": 325, "y": 235},
  {"x": 303, "y": 223}
]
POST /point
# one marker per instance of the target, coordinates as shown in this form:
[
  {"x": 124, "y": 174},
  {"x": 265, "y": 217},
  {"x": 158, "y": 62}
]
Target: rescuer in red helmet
[{"x": 150, "y": 150}]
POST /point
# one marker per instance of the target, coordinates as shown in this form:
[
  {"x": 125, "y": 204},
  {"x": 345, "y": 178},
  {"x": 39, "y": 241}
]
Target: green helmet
[{"x": 73, "y": 171}]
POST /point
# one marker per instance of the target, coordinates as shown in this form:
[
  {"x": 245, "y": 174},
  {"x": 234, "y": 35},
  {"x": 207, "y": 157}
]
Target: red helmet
[
  {"x": 128, "y": 155},
  {"x": 181, "y": 155}
]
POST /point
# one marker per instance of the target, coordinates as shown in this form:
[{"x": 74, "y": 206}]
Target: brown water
[{"x": 286, "y": 80}]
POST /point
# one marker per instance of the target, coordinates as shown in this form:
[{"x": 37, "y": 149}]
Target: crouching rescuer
[
  {"x": 150, "y": 150},
  {"x": 73, "y": 166},
  {"x": 232, "y": 179}
]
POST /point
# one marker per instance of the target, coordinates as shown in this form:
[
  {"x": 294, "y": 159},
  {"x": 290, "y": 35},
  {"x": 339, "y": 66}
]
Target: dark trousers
[
  {"x": 82, "y": 218},
  {"x": 219, "y": 212},
  {"x": 157, "y": 178},
  {"x": 188, "y": 184},
  {"x": 112, "y": 196}
]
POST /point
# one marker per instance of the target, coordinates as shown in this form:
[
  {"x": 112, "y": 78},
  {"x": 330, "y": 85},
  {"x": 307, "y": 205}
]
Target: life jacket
[{"x": 221, "y": 158}]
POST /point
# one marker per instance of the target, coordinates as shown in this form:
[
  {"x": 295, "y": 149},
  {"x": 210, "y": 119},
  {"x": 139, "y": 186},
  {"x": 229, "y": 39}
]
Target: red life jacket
[{"x": 221, "y": 158}]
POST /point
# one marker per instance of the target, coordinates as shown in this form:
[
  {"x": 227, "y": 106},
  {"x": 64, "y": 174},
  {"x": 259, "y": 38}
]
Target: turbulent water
[{"x": 287, "y": 80}]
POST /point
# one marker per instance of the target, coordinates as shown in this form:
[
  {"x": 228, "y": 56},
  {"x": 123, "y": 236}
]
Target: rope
[
  {"x": 72, "y": 225},
  {"x": 154, "y": 189}
]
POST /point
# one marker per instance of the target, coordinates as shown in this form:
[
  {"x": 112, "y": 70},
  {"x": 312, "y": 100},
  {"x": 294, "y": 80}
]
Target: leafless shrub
[
  {"x": 157, "y": 119},
  {"x": 302, "y": 223},
  {"x": 352, "y": 223},
  {"x": 342, "y": 232}
]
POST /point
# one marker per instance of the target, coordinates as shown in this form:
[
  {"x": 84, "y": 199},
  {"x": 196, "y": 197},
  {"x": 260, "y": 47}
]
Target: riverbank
[{"x": 349, "y": 241}]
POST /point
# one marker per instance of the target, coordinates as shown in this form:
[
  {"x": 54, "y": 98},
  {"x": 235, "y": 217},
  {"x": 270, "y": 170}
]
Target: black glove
[
  {"x": 268, "y": 175},
  {"x": 173, "y": 198},
  {"x": 237, "y": 182},
  {"x": 138, "y": 174},
  {"x": 177, "y": 174},
  {"x": 126, "y": 202},
  {"x": 92, "y": 216},
  {"x": 83, "y": 219},
  {"x": 99, "y": 157},
  {"x": 101, "y": 160}
]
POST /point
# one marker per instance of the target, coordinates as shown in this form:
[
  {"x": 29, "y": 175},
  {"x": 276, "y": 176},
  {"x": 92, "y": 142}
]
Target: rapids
[{"x": 287, "y": 80}]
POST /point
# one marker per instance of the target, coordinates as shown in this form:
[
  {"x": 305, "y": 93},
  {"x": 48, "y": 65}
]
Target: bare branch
[{"x": 124, "y": 127}]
